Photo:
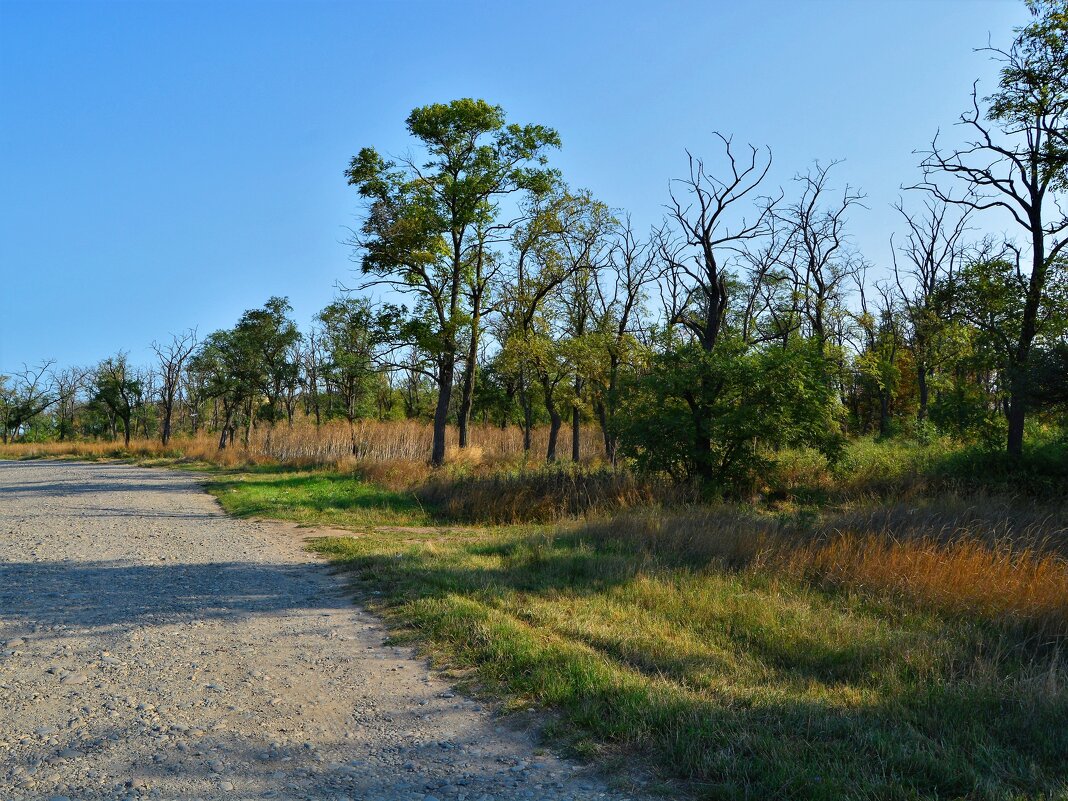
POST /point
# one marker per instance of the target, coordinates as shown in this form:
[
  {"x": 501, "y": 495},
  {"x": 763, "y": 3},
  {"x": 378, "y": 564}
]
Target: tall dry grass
[
  {"x": 542, "y": 495},
  {"x": 993, "y": 559},
  {"x": 331, "y": 444}
]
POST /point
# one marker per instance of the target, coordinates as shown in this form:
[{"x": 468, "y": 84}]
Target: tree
[
  {"x": 31, "y": 392},
  {"x": 68, "y": 384},
  {"x": 932, "y": 251},
  {"x": 712, "y": 232},
  {"x": 757, "y": 400},
  {"x": 1017, "y": 163},
  {"x": 118, "y": 390},
  {"x": 417, "y": 235},
  {"x": 268, "y": 336},
  {"x": 618, "y": 296},
  {"x": 172, "y": 357},
  {"x": 349, "y": 339},
  {"x": 221, "y": 367},
  {"x": 818, "y": 253}
]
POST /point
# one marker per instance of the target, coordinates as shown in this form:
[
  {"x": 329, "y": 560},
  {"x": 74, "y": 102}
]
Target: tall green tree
[{"x": 418, "y": 234}]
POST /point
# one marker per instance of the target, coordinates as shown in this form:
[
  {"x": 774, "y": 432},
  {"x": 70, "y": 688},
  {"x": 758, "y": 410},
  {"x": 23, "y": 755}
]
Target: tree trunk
[
  {"x": 165, "y": 429},
  {"x": 446, "y": 373},
  {"x": 528, "y": 415},
  {"x": 921, "y": 383},
  {"x": 576, "y": 424},
  {"x": 1028, "y": 327},
  {"x": 555, "y": 421},
  {"x": 470, "y": 374},
  {"x": 609, "y": 438}
]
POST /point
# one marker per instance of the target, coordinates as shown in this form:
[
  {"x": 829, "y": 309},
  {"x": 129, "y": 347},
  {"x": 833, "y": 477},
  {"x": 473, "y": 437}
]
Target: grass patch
[
  {"x": 736, "y": 683},
  {"x": 744, "y": 656},
  {"x": 316, "y": 498}
]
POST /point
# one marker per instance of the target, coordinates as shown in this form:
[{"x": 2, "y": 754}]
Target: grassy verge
[
  {"x": 742, "y": 657},
  {"x": 316, "y": 498}
]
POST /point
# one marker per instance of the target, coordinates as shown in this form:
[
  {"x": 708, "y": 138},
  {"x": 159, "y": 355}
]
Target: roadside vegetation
[
  {"x": 877, "y": 650},
  {"x": 730, "y": 504}
]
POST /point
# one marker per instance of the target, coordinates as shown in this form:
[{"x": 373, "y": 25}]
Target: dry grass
[
  {"x": 330, "y": 445},
  {"x": 996, "y": 560},
  {"x": 542, "y": 495}
]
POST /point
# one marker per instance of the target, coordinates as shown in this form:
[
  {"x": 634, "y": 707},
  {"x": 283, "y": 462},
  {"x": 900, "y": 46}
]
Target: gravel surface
[{"x": 152, "y": 647}]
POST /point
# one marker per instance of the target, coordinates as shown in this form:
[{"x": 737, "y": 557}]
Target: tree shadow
[{"x": 108, "y": 594}]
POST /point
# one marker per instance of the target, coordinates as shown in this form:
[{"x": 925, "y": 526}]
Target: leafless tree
[
  {"x": 32, "y": 392},
  {"x": 710, "y": 235},
  {"x": 713, "y": 232},
  {"x": 172, "y": 357},
  {"x": 932, "y": 250},
  {"x": 617, "y": 299},
  {"x": 1016, "y": 162},
  {"x": 818, "y": 253}
]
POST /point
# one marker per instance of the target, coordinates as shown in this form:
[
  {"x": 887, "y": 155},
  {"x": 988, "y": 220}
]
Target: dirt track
[{"x": 151, "y": 647}]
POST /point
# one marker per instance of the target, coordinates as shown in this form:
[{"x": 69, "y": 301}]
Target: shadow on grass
[{"x": 794, "y": 708}]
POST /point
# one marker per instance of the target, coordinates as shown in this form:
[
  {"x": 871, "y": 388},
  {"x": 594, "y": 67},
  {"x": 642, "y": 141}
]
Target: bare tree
[
  {"x": 696, "y": 267},
  {"x": 696, "y": 263},
  {"x": 32, "y": 392},
  {"x": 617, "y": 299},
  {"x": 932, "y": 249},
  {"x": 172, "y": 358},
  {"x": 1016, "y": 162},
  {"x": 68, "y": 383},
  {"x": 818, "y": 252}
]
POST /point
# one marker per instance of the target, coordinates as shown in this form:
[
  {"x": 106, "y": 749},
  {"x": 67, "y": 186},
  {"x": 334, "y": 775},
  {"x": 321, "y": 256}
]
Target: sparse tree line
[{"x": 747, "y": 321}]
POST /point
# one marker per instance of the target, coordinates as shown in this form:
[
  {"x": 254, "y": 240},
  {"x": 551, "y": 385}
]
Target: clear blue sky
[{"x": 170, "y": 164}]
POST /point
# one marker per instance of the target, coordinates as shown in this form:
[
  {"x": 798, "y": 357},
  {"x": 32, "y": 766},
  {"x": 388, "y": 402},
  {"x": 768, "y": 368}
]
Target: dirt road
[{"x": 151, "y": 647}]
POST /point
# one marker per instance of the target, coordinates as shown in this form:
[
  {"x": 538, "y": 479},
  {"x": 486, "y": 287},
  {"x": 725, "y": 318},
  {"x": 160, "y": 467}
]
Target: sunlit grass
[
  {"x": 316, "y": 498},
  {"x": 736, "y": 654},
  {"x": 738, "y": 683}
]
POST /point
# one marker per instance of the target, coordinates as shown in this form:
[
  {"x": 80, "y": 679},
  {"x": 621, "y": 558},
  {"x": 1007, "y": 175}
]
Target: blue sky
[{"x": 169, "y": 164}]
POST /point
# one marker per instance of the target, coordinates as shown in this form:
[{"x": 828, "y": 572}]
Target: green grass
[
  {"x": 734, "y": 684},
  {"x": 315, "y": 498}
]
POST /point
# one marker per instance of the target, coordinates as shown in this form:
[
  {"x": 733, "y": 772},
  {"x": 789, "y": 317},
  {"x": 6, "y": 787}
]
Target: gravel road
[{"x": 152, "y": 647}]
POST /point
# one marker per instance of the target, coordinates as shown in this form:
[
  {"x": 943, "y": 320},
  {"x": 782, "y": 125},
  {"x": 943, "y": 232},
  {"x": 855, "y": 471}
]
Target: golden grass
[
  {"x": 1002, "y": 563},
  {"x": 331, "y": 445}
]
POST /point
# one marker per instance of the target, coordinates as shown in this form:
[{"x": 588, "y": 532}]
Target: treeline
[{"x": 745, "y": 322}]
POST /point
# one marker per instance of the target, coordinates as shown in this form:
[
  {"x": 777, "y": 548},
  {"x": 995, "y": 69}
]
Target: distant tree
[
  {"x": 268, "y": 335},
  {"x": 1017, "y": 163},
  {"x": 117, "y": 389},
  {"x": 930, "y": 255},
  {"x": 68, "y": 385},
  {"x": 172, "y": 358},
  {"x": 350, "y": 336},
  {"x": 417, "y": 236},
  {"x": 222, "y": 371},
  {"x": 26, "y": 394}
]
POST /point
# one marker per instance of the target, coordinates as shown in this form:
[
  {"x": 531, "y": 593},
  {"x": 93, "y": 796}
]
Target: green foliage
[
  {"x": 747, "y": 402},
  {"x": 351, "y": 334}
]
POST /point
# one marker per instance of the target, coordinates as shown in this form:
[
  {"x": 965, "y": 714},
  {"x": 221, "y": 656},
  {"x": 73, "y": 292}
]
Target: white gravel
[{"x": 152, "y": 647}]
